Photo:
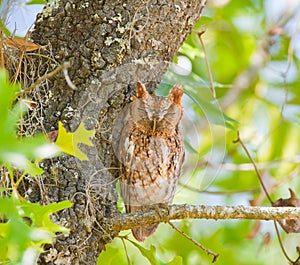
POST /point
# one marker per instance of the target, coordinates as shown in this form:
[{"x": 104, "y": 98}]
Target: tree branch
[{"x": 173, "y": 212}]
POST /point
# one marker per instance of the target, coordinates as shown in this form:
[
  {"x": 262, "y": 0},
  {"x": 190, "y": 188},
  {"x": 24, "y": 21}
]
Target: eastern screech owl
[{"x": 151, "y": 152}]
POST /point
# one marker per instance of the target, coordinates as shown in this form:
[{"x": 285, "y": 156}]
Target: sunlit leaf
[
  {"x": 26, "y": 225},
  {"x": 14, "y": 150},
  {"x": 36, "y": 2},
  {"x": 203, "y": 21},
  {"x": 68, "y": 141},
  {"x": 4, "y": 28},
  {"x": 149, "y": 254},
  {"x": 112, "y": 255},
  {"x": 190, "y": 51},
  {"x": 40, "y": 215},
  {"x": 176, "y": 261}
]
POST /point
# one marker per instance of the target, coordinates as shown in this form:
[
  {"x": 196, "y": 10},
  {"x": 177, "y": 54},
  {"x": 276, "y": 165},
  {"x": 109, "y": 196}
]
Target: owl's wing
[
  {"x": 125, "y": 154},
  {"x": 118, "y": 128}
]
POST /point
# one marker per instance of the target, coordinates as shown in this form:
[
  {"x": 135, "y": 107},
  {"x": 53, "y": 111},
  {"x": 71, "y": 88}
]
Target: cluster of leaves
[
  {"x": 114, "y": 254},
  {"x": 24, "y": 226},
  {"x": 14, "y": 150}
]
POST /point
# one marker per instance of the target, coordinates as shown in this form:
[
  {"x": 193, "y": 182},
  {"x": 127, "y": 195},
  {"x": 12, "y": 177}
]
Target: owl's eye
[
  {"x": 141, "y": 109},
  {"x": 170, "y": 113}
]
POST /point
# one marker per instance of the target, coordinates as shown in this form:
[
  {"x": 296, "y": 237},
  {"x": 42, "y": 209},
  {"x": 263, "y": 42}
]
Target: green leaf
[
  {"x": 203, "y": 21},
  {"x": 7, "y": 91},
  {"x": 37, "y": 2},
  {"x": 112, "y": 255},
  {"x": 149, "y": 254},
  {"x": 68, "y": 141},
  {"x": 190, "y": 148},
  {"x": 39, "y": 215},
  {"x": 14, "y": 150},
  {"x": 32, "y": 169},
  {"x": 176, "y": 261},
  {"x": 190, "y": 51},
  {"x": 18, "y": 235},
  {"x": 4, "y": 28}
]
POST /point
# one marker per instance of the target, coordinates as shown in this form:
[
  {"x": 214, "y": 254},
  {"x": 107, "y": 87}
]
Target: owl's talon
[
  {"x": 157, "y": 207},
  {"x": 165, "y": 206}
]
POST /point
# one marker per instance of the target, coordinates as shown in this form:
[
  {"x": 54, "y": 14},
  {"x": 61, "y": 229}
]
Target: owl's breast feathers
[{"x": 151, "y": 167}]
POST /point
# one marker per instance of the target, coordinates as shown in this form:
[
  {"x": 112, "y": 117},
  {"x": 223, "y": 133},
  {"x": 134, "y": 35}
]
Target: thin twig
[
  {"x": 280, "y": 243},
  {"x": 268, "y": 196},
  {"x": 238, "y": 140},
  {"x": 211, "y": 80},
  {"x": 40, "y": 80},
  {"x": 207, "y": 250},
  {"x": 19, "y": 66}
]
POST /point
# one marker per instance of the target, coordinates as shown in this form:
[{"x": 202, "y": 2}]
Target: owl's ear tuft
[
  {"x": 176, "y": 94},
  {"x": 141, "y": 91}
]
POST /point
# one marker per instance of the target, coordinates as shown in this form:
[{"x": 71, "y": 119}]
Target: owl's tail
[{"x": 142, "y": 233}]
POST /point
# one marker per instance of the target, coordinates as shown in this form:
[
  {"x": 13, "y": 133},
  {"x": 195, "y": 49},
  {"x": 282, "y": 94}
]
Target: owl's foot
[{"x": 159, "y": 208}]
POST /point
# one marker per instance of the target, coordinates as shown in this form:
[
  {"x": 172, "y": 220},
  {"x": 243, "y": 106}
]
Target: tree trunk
[{"x": 109, "y": 46}]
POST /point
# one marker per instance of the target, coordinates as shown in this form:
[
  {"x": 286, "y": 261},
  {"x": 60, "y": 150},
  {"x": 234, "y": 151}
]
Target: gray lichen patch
[{"x": 48, "y": 9}]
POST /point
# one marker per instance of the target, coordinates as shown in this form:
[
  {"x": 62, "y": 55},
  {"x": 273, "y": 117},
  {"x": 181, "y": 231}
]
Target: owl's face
[{"x": 158, "y": 113}]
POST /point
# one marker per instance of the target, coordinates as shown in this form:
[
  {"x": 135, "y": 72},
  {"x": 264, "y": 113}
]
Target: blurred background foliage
[{"x": 253, "y": 49}]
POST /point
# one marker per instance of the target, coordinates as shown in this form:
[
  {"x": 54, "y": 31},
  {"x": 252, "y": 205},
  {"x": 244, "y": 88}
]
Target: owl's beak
[{"x": 154, "y": 125}]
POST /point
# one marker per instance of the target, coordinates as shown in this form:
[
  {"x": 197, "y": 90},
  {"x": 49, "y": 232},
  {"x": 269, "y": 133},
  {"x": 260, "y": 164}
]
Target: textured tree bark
[{"x": 109, "y": 45}]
